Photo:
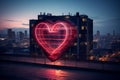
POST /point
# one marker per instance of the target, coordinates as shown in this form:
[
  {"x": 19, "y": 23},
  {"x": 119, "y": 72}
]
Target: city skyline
[{"x": 105, "y": 13}]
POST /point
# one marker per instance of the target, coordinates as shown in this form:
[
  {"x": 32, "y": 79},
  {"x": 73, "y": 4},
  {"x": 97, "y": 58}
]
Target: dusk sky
[{"x": 17, "y": 13}]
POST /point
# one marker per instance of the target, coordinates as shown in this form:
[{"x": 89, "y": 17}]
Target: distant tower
[
  {"x": 98, "y": 39},
  {"x": 11, "y": 34},
  {"x": 21, "y": 35},
  {"x": 25, "y": 33},
  {"x": 17, "y": 37},
  {"x": 98, "y": 35}
]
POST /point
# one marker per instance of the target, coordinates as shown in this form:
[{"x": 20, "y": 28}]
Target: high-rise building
[
  {"x": 84, "y": 42},
  {"x": 98, "y": 35},
  {"x": 25, "y": 33},
  {"x": 11, "y": 34},
  {"x": 21, "y": 35}
]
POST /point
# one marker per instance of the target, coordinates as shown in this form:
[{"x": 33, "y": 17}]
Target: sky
[{"x": 105, "y": 13}]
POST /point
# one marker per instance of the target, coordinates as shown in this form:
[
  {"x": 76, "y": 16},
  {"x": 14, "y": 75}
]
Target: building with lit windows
[{"x": 84, "y": 42}]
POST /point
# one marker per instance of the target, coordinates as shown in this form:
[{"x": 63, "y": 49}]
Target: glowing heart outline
[{"x": 51, "y": 51}]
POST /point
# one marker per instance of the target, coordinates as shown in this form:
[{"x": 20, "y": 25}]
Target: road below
[{"x": 22, "y": 71}]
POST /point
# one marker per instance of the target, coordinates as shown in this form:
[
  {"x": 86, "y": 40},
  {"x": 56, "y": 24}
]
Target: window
[
  {"x": 84, "y": 19},
  {"x": 82, "y": 27},
  {"x": 86, "y": 27},
  {"x": 67, "y": 17},
  {"x": 80, "y": 35},
  {"x": 86, "y": 43},
  {"x": 75, "y": 44},
  {"x": 32, "y": 25}
]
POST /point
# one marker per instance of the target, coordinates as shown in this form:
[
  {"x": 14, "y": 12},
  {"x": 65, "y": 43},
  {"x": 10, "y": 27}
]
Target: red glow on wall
[{"x": 55, "y": 37}]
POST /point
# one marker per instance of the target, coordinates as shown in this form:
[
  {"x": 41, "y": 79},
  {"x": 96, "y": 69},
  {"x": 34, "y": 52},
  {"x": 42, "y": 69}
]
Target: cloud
[
  {"x": 25, "y": 24},
  {"x": 10, "y": 20}
]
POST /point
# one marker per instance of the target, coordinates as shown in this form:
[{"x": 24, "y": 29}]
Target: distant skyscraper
[
  {"x": 25, "y": 33},
  {"x": 21, "y": 35},
  {"x": 98, "y": 34},
  {"x": 11, "y": 34},
  {"x": 84, "y": 42}
]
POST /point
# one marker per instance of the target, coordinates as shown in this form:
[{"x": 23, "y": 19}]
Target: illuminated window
[
  {"x": 86, "y": 28},
  {"x": 80, "y": 35},
  {"x": 82, "y": 27},
  {"x": 75, "y": 44},
  {"x": 67, "y": 17},
  {"x": 84, "y": 19},
  {"x": 85, "y": 43},
  {"x": 32, "y": 25}
]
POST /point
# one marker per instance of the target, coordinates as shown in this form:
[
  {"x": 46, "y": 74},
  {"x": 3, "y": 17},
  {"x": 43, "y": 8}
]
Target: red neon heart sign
[{"x": 54, "y": 38}]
